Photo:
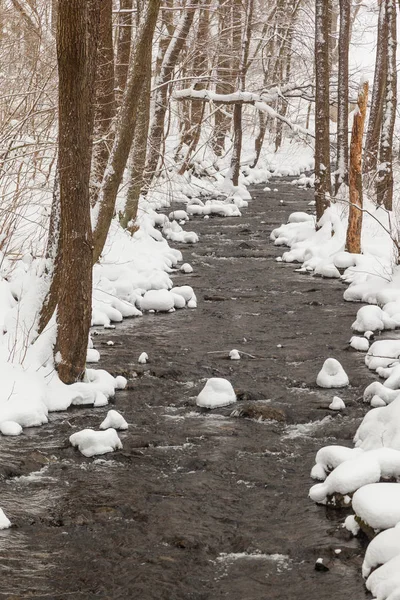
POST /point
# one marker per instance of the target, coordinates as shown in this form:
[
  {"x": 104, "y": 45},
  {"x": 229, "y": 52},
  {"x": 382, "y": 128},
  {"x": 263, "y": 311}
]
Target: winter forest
[{"x": 194, "y": 196}]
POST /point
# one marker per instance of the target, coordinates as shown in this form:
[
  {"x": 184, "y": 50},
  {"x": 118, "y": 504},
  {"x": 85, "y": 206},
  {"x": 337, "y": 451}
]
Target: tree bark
[
  {"x": 384, "y": 180},
  {"x": 105, "y": 100},
  {"x": 123, "y": 46},
  {"x": 342, "y": 157},
  {"x": 137, "y": 159},
  {"x": 322, "y": 143},
  {"x": 353, "y": 237},
  {"x": 74, "y": 155},
  {"x": 378, "y": 92},
  {"x": 125, "y": 128}
]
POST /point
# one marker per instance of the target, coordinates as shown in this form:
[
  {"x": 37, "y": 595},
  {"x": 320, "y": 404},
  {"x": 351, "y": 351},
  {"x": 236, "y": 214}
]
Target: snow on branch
[{"x": 259, "y": 101}]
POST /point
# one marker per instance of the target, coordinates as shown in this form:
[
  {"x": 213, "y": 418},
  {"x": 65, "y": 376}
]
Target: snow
[
  {"x": 337, "y": 404},
  {"x": 114, "y": 420},
  {"x": 384, "y": 547},
  {"x": 186, "y": 268},
  {"x": 91, "y": 443},
  {"x": 5, "y": 523},
  {"x": 10, "y": 428},
  {"x": 373, "y": 318},
  {"x": 234, "y": 355},
  {"x": 143, "y": 358},
  {"x": 332, "y": 375},
  {"x": 158, "y": 300},
  {"x": 359, "y": 343},
  {"x": 378, "y": 505},
  {"x": 216, "y": 393}
]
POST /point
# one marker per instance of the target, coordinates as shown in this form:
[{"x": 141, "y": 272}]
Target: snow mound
[
  {"x": 332, "y": 375},
  {"x": 329, "y": 457},
  {"x": 216, "y": 393},
  {"x": 5, "y": 523},
  {"x": 382, "y": 354},
  {"x": 158, "y": 300},
  {"x": 114, "y": 420},
  {"x": 384, "y": 547},
  {"x": 234, "y": 355},
  {"x": 10, "y": 428},
  {"x": 359, "y": 343},
  {"x": 337, "y": 404},
  {"x": 143, "y": 358},
  {"x": 380, "y": 427},
  {"x": 186, "y": 268},
  {"x": 378, "y": 505},
  {"x": 91, "y": 443},
  {"x": 372, "y": 318}
]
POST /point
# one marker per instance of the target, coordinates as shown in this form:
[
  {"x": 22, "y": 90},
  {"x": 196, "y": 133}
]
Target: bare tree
[
  {"x": 384, "y": 180},
  {"x": 322, "y": 145},
  {"x": 74, "y": 52},
  {"x": 353, "y": 237},
  {"x": 342, "y": 157},
  {"x": 378, "y": 91}
]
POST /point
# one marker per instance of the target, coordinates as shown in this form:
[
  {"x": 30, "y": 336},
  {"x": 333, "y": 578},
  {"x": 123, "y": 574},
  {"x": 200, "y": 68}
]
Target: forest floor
[{"x": 199, "y": 505}]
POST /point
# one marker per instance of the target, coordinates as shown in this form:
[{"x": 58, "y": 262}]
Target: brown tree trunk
[
  {"x": 378, "y": 92},
  {"x": 105, "y": 100},
  {"x": 123, "y": 46},
  {"x": 74, "y": 155},
  {"x": 353, "y": 238},
  {"x": 259, "y": 140},
  {"x": 384, "y": 180},
  {"x": 342, "y": 157},
  {"x": 322, "y": 144},
  {"x": 137, "y": 159},
  {"x": 125, "y": 128}
]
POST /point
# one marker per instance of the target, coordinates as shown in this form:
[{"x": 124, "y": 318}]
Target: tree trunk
[
  {"x": 105, "y": 100},
  {"x": 353, "y": 238},
  {"x": 322, "y": 144},
  {"x": 259, "y": 140},
  {"x": 123, "y": 46},
  {"x": 342, "y": 158},
  {"x": 224, "y": 84},
  {"x": 384, "y": 180},
  {"x": 378, "y": 92},
  {"x": 162, "y": 84},
  {"x": 125, "y": 128},
  {"x": 137, "y": 159},
  {"x": 75, "y": 111}
]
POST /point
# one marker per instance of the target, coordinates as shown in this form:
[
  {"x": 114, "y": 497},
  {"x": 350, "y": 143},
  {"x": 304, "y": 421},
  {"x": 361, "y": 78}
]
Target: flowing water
[{"x": 199, "y": 505}]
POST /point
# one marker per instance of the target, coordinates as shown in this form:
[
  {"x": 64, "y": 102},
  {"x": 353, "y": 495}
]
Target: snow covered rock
[
  {"x": 337, "y": 404},
  {"x": 186, "y": 268},
  {"x": 384, "y": 547},
  {"x": 359, "y": 343},
  {"x": 158, "y": 300},
  {"x": 216, "y": 393},
  {"x": 114, "y": 420},
  {"x": 92, "y": 355},
  {"x": 382, "y": 354},
  {"x": 378, "y": 505},
  {"x": 10, "y": 428},
  {"x": 120, "y": 382},
  {"x": 234, "y": 355},
  {"x": 380, "y": 427},
  {"x": 185, "y": 291},
  {"x": 143, "y": 358},
  {"x": 300, "y": 217},
  {"x": 178, "y": 215},
  {"x": 372, "y": 318},
  {"x": 332, "y": 375},
  {"x": 348, "y": 477},
  {"x": 5, "y": 523},
  {"x": 329, "y": 457},
  {"x": 91, "y": 443}
]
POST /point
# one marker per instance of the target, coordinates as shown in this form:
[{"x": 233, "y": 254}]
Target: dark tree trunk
[
  {"x": 378, "y": 92},
  {"x": 342, "y": 158},
  {"x": 76, "y": 24},
  {"x": 105, "y": 100},
  {"x": 322, "y": 145},
  {"x": 384, "y": 180},
  {"x": 123, "y": 45}
]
